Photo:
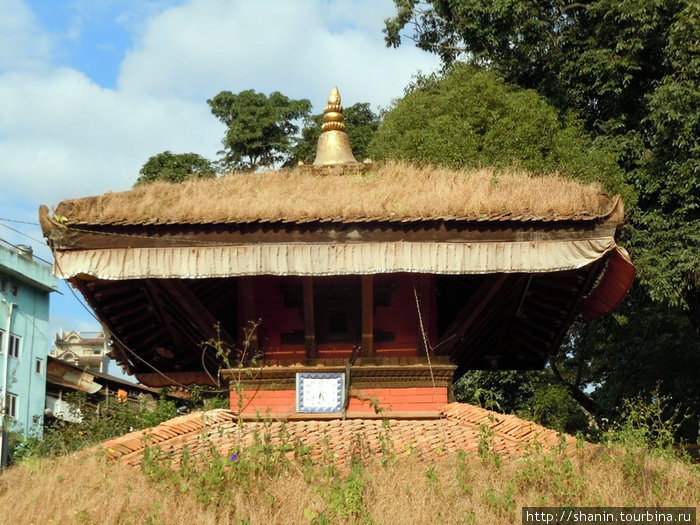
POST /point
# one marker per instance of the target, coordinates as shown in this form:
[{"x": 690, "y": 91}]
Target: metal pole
[{"x": 3, "y": 399}]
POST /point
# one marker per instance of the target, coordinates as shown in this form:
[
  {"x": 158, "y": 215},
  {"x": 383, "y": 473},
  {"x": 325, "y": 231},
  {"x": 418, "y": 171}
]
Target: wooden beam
[
  {"x": 367, "y": 315},
  {"x": 472, "y": 313},
  {"x": 309, "y": 325},
  {"x": 189, "y": 317},
  {"x": 139, "y": 236}
]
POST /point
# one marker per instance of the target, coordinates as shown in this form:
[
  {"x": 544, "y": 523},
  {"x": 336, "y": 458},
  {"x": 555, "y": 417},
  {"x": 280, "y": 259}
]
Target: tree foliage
[
  {"x": 631, "y": 70},
  {"x": 360, "y": 122},
  {"x": 643, "y": 351},
  {"x": 643, "y": 348},
  {"x": 471, "y": 118},
  {"x": 535, "y": 395},
  {"x": 259, "y": 128},
  {"x": 175, "y": 167}
]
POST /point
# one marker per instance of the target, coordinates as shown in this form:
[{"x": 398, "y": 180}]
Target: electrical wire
[
  {"x": 19, "y": 221},
  {"x": 40, "y": 241},
  {"x": 428, "y": 348},
  {"x": 121, "y": 343},
  {"x": 16, "y": 247}
]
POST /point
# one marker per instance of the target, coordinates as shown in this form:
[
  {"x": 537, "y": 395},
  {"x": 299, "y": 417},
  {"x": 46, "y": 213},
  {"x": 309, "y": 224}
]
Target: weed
[
  {"x": 502, "y": 502},
  {"x": 433, "y": 481},
  {"x": 486, "y": 449},
  {"x": 386, "y": 443},
  {"x": 345, "y": 497},
  {"x": 464, "y": 477}
]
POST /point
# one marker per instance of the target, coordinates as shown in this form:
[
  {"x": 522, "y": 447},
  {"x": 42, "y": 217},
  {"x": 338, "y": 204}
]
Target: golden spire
[{"x": 333, "y": 143}]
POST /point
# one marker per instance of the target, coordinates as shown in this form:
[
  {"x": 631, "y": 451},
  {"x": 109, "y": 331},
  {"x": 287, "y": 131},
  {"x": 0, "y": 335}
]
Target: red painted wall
[
  {"x": 394, "y": 400},
  {"x": 401, "y": 317},
  {"x": 276, "y": 319}
]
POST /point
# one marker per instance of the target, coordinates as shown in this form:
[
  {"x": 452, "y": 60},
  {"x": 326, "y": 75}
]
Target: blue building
[{"x": 25, "y": 285}]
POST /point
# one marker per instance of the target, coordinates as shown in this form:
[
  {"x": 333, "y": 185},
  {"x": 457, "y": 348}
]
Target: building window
[
  {"x": 38, "y": 367},
  {"x": 14, "y": 344},
  {"x": 3, "y": 285},
  {"x": 11, "y": 405},
  {"x": 15, "y": 290}
]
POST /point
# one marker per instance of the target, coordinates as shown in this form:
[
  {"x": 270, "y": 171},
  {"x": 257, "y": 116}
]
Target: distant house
[
  {"x": 64, "y": 378},
  {"x": 25, "y": 285},
  {"x": 86, "y": 350}
]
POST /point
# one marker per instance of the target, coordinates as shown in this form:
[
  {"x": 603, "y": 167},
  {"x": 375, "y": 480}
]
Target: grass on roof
[{"x": 393, "y": 190}]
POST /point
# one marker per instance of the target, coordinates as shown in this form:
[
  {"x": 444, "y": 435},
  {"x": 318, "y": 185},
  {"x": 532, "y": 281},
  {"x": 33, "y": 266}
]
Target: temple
[{"x": 340, "y": 289}]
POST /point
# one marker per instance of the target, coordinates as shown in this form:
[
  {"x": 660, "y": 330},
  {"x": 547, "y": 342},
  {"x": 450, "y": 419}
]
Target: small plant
[
  {"x": 502, "y": 502},
  {"x": 345, "y": 497},
  {"x": 464, "y": 477},
  {"x": 433, "y": 481},
  {"x": 649, "y": 424},
  {"x": 386, "y": 442},
  {"x": 551, "y": 472},
  {"x": 486, "y": 449}
]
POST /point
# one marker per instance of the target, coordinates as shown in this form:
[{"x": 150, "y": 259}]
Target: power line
[
  {"x": 18, "y": 248},
  {"x": 121, "y": 343},
  {"x": 40, "y": 241},
  {"x": 19, "y": 221}
]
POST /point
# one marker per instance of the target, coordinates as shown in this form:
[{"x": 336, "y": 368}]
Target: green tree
[
  {"x": 259, "y": 129},
  {"x": 469, "y": 117},
  {"x": 644, "y": 344},
  {"x": 175, "y": 167},
  {"x": 533, "y": 394},
  {"x": 631, "y": 70},
  {"x": 360, "y": 123}
]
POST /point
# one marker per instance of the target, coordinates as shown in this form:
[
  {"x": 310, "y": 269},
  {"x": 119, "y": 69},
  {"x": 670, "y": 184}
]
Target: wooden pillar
[
  {"x": 309, "y": 326},
  {"x": 246, "y": 309},
  {"x": 367, "y": 315}
]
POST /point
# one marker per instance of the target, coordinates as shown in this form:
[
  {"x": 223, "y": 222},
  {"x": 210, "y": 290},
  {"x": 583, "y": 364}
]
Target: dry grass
[
  {"x": 392, "y": 191},
  {"x": 85, "y": 490}
]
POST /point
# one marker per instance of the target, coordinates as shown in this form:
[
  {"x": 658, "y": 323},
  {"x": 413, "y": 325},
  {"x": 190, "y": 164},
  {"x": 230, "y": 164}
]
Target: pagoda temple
[{"x": 341, "y": 289}]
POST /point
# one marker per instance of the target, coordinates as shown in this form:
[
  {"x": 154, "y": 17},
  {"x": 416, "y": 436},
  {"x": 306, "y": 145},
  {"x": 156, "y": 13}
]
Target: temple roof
[{"x": 391, "y": 192}]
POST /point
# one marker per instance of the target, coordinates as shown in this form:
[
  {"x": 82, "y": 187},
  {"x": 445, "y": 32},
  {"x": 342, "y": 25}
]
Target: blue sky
[{"x": 90, "y": 89}]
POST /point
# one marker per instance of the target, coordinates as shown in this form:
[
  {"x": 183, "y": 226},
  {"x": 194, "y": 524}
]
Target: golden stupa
[{"x": 334, "y": 144}]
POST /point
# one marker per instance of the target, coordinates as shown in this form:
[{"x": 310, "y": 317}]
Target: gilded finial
[
  {"x": 333, "y": 143},
  {"x": 333, "y": 113}
]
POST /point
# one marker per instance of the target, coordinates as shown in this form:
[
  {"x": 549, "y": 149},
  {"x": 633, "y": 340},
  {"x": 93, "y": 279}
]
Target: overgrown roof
[{"x": 392, "y": 192}]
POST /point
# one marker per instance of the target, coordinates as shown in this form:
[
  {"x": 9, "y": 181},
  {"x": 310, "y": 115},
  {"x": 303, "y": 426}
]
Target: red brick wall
[
  {"x": 276, "y": 401},
  {"x": 410, "y": 399}
]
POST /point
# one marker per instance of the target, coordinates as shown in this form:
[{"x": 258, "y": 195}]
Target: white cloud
[
  {"x": 65, "y": 136},
  {"x": 22, "y": 44},
  {"x": 300, "y": 48},
  {"x": 62, "y": 135}
]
